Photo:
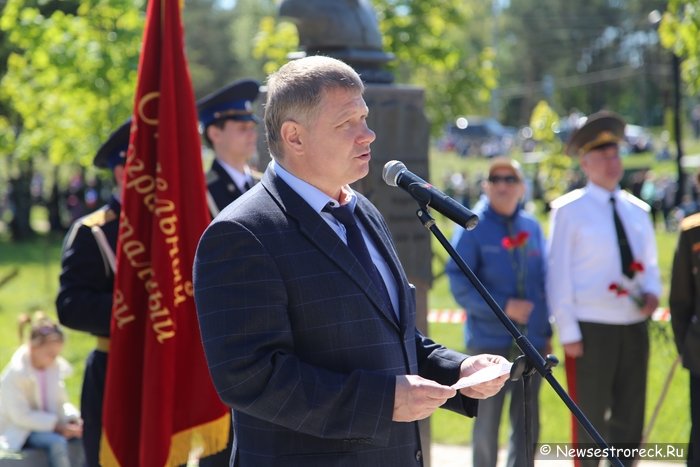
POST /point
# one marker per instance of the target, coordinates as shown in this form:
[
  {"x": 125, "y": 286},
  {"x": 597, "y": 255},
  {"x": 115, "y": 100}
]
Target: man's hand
[
  {"x": 574, "y": 349},
  {"x": 416, "y": 398},
  {"x": 519, "y": 310},
  {"x": 651, "y": 303},
  {"x": 487, "y": 388}
]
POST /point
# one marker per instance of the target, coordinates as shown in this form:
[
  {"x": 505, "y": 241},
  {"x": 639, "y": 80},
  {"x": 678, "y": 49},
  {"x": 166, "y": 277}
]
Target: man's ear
[
  {"x": 213, "y": 133},
  {"x": 583, "y": 162},
  {"x": 291, "y": 135}
]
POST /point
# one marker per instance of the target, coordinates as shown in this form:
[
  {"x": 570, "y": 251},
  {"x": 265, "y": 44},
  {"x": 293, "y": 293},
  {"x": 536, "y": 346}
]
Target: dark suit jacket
[
  {"x": 222, "y": 188},
  {"x": 298, "y": 340},
  {"x": 684, "y": 298},
  {"x": 84, "y": 300}
]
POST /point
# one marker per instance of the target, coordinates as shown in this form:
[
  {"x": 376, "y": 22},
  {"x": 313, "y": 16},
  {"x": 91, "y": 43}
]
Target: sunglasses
[{"x": 508, "y": 179}]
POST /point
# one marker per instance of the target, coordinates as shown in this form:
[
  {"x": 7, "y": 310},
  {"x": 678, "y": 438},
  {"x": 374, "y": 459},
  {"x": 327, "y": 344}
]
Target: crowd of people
[{"x": 307, "y": 317}]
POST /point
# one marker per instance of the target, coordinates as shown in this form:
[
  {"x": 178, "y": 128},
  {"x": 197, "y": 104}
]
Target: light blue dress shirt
[{"x": 319, "y": 200}]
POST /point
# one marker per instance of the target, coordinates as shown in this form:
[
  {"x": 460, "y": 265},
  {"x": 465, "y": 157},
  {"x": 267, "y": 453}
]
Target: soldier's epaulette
[
  {"x": 212, "y": 177},
  {"x": 99, "y": 217},
  {"x": 691, "y": 222},
  {"x": 636, "y": 201},
  {"x": 567, "y": 198}
]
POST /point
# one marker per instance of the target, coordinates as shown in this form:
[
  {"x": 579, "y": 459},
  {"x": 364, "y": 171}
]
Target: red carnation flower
[
  {"x": 620, "y": 291},
  {"x": 516, "y": 241},
  {"x": 636, "y": 266},
  {"x": 507, "y": 243}
]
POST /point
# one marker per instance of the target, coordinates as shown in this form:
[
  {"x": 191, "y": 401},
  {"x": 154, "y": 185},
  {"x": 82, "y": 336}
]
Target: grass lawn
[
  {"x": 35, "y": 285},
  {"x": 34, "y": 288}
]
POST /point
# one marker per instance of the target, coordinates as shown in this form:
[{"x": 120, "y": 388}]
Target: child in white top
[{"x": 34, "y": 407}]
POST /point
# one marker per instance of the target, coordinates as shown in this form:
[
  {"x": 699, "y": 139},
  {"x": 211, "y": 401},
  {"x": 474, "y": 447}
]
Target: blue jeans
[
  {"x": 54, "y": 444},
  {"x": 487, "y": 421}
]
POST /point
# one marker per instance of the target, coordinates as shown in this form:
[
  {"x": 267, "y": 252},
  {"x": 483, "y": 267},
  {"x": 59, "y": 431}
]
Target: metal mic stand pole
[{"x": 526, "y": 364}]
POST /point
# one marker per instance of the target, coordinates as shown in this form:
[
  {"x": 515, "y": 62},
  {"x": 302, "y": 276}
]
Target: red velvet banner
[{"x": 160, "y": 404}]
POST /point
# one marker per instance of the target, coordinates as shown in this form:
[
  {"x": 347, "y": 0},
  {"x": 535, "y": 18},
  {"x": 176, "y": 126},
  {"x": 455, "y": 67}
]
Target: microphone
[{"x": 395, "y": 173}]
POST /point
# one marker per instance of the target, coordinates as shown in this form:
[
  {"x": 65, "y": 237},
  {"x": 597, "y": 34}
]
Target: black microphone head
[{"x": 391, "y": 172}]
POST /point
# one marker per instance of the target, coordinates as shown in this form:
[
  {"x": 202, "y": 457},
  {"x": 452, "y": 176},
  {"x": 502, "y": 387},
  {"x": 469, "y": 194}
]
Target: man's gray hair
[{"x": 294, "y": 92}]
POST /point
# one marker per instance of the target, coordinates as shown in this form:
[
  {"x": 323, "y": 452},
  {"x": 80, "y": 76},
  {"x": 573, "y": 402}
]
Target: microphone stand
[{"x": 525, "y": 365}]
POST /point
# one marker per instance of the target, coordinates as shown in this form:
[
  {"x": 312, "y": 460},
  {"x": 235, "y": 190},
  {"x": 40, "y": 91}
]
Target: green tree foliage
[
  {"x": 70, "y": 75},
  {"x": 432, "y": 46},
  {"x": 442, "y": 46},
  {"x": 274, "y": 42},
  {"x": 221, "y": 41},
  {"x": 585, "y": 55},
  {"x": 208, "y": 44},
  {"x": 245, "y": 28},
  {"x": 680, "y": 33},
  {"x": 555, "y": 165}
]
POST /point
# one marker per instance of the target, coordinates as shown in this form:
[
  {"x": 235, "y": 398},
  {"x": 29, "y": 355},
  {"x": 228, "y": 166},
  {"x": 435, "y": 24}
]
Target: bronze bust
[{"x": 343, "y": 29}]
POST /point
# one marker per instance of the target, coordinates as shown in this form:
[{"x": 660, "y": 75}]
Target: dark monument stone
[{"x": 396, "y": 115}]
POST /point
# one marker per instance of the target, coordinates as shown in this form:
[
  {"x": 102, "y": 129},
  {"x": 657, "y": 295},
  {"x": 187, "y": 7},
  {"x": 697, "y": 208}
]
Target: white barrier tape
[{"x": 458, "y": 315}]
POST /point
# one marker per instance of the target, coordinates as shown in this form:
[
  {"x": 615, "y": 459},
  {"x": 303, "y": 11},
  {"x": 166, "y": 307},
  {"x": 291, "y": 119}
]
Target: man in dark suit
[
  {"x": 684, "y": 301},
  {"x": 306, "y": 315},
  {"x": 84, "y": 300},
  {"x": 230, "y": 129}
]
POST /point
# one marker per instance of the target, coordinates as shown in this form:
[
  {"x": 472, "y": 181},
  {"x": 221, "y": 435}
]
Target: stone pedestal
[{"x": 396, "y": 115}]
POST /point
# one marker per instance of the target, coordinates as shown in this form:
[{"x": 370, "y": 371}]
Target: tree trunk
[
  {"x": 21, "y": 203},
  {"x": 677, "y": 127},
  {"x": 54, "y": 206}
]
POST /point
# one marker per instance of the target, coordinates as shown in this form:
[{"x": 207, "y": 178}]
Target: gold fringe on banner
[
  {"x": 107, "y": 457},
  {"x": 202, "y": 440},
  {"x": 205, "y": 440}
]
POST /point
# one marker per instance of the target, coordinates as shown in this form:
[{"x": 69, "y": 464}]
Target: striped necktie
[{"x": 358, "y": 247}]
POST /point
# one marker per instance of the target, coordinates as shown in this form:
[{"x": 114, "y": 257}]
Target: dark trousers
[
  {"x": 91, "y": 405},
  {"x": 220, "y": 459},
  {"x": 694, "y": 444},
  {"x": 610, "y": 383}
]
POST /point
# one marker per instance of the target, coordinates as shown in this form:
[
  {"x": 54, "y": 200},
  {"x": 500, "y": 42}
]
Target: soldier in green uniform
[{"x": 684, "y": 301}]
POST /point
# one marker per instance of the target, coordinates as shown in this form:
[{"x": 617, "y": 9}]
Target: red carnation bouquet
[
  {"x": 516, "y": 245},
  {"x": 619, "y": 289}
]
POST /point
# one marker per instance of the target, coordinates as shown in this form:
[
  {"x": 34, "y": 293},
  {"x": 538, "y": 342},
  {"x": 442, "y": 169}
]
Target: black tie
[
  {"x": 358, "y": 247},
  {"x": 623, "y": 243},
  {"x": 247, "y": 186}
]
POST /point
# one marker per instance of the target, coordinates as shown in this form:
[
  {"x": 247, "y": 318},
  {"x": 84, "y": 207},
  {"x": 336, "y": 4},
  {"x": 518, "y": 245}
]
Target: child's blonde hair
[{"x": 41, "y": 328}]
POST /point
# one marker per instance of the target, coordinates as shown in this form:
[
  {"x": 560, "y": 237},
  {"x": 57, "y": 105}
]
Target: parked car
[
  {"x": 638, "y": 139},
  {"x": 479, "y": 136}
]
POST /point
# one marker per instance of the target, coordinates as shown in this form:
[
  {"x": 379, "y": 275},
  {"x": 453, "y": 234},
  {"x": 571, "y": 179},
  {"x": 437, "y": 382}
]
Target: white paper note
[{"x": 483, "y": 375}]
